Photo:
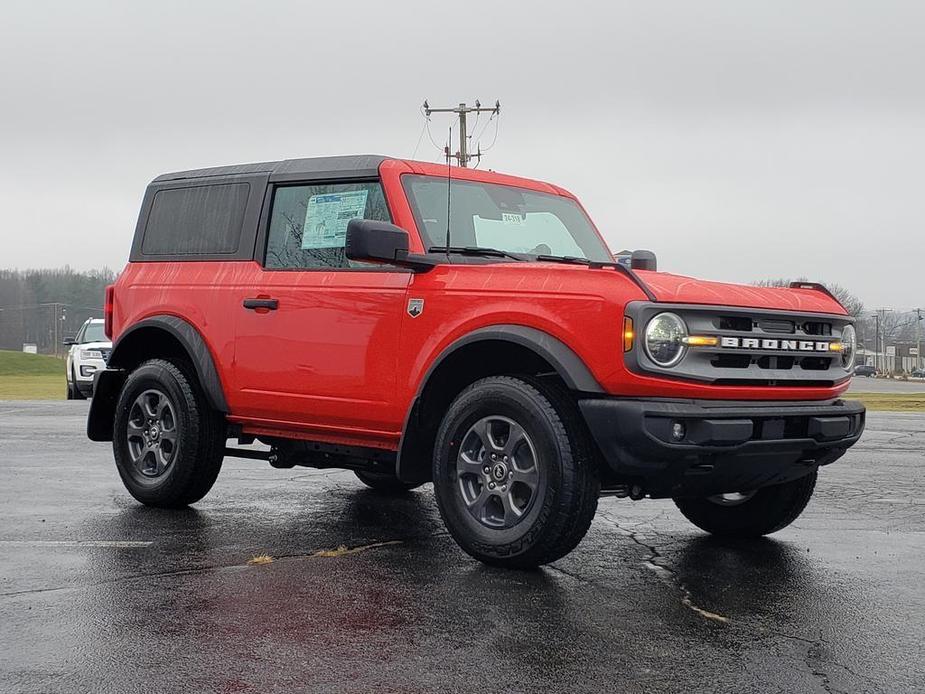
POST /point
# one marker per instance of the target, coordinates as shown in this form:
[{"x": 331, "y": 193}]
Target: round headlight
[
  {"x": 664, "y": 339},
  {"x": 849, "y": 346}
]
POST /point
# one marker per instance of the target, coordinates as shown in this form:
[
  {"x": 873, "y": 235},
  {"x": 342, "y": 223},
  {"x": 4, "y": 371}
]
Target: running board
[{"x": 288, "y": 454}]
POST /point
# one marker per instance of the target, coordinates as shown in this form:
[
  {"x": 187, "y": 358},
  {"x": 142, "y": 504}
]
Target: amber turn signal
[
  {"x": 628, "y": 334},
  {"x": 700, "y": 341}
]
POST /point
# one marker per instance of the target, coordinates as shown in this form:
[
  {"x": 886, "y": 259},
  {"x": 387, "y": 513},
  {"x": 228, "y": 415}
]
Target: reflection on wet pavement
[{"x": 646, "y": 603}]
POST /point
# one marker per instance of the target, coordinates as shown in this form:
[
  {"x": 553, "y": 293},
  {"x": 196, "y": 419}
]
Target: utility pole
[
  {"x": 918, "y": 338},
  {"x": 881, "y": 338},
  {"x": 54, "y": 308},
  {"x": 462, "y": 156}
]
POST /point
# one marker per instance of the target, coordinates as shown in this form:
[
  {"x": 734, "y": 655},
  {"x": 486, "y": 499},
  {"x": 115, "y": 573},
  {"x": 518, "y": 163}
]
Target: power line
[
  {"x": 494, "y": 138},
  {"x": 420, "y": 137}
]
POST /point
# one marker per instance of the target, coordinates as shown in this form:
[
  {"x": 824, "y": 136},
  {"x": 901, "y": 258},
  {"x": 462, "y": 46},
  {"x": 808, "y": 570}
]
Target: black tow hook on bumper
[{"x": 698, "y": 448}]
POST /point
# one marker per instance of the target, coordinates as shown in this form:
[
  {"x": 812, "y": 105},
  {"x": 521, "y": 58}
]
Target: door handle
[{"x": 262, "y": 303}]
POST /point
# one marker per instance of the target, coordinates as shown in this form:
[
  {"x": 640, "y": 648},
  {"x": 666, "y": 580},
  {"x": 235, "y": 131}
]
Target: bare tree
[{"x": 853, "y": 305}]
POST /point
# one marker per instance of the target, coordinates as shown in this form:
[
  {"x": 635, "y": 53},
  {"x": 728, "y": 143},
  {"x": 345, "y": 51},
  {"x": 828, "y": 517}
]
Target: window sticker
[
  {"x": 327, "y": 217},
  {"x": 512, "y": 218}
]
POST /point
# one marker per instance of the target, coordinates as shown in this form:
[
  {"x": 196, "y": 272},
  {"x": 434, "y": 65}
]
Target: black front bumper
[{"x": 726, "y": 446}]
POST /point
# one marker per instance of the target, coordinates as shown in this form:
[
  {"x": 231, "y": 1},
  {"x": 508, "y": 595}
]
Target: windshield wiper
[
  {"x": 570, "y": 259},
  {"x": 576, "y": 260},
  {"x": 475, "y": 250}
]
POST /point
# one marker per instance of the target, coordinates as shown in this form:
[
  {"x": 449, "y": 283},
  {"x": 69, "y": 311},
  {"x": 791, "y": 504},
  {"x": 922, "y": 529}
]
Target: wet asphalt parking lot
[{"x": 99, "y": 594}]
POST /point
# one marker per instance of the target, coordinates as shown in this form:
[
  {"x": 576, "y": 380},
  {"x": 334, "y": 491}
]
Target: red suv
[{"x": 418, "y": 323}]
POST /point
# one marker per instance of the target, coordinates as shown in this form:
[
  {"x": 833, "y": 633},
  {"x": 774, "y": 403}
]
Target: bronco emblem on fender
[{"x": 415, "y": 307}]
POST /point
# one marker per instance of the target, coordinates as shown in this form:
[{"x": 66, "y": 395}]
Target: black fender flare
[
  {"x": 567, "y": 364},
  {"x": 192, "y": 342},
  {"x": 561, "y": 357}
]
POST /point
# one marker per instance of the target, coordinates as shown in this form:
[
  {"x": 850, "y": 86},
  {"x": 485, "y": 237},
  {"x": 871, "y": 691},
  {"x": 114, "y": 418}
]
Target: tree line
[{"x": 42, "y": 307}]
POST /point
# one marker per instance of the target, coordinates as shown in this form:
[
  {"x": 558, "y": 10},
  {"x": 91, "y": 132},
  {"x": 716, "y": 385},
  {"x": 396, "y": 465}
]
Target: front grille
[
  {"x": 772, "y": 325},
  {"x": 106, "y": 351},
  {"x": 762, "y": 347}
]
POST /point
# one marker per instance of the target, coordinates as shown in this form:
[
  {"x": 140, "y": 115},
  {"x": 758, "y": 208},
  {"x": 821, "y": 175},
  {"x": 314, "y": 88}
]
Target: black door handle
[{"x": 267, "y": 304}]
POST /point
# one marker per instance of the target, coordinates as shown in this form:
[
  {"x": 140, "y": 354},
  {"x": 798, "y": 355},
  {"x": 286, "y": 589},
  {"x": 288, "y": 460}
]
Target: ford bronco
[{"x": 419, "y": 323}]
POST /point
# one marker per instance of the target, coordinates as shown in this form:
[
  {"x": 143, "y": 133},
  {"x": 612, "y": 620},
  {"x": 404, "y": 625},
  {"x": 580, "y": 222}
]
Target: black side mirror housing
[
  {"x": 70, "y": 340},
  {"x": 643, "y": 260},
  {"x": 369, "y": 240}
]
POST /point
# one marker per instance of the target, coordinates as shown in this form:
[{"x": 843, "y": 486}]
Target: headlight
[
  {"x": 849, "y": 342},
  {"x": 664, "y": 339},
  {"x": 91, "y": 354}
]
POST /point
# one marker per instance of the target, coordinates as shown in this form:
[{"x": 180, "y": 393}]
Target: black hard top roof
[{"x": 360, "y": 165}]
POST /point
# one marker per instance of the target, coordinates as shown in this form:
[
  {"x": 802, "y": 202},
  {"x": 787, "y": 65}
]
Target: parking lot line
[{"x": 121, "y": 544}]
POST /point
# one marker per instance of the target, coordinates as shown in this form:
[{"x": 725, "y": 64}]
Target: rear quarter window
[{"x": 196, "y": 220}]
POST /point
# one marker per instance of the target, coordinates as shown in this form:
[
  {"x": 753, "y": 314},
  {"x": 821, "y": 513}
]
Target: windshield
[
  {"x": 507, "y": 218},
  {"x": 94, "y": 333}
]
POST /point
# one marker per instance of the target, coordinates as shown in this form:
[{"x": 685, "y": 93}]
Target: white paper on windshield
[
  {"x": 509, "y": 218},
  {"x": 327, "y": 217}
]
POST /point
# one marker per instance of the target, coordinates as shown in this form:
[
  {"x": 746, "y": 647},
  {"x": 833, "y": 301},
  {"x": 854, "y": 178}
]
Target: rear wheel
[
  {"x": 513, "y": 474},
  {"x": 168, "y": 443},
  {"x": 385, "y": 482},
  {"x": 750, "y": 514}
]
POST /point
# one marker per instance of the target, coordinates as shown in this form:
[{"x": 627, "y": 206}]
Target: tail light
[{"x": 107, "y": 311}]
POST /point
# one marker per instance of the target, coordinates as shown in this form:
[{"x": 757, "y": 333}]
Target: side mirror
[
  {"x": 68, "y": 341},
  {"x": 380, "y": 242},
  {"x": 643, "y": 260}
]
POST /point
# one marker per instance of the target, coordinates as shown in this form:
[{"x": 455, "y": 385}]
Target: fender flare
[
  {"x": 562, "y": 358},
  {"x": 195, "y": 346},
  {"x": 567, "y": 364}
]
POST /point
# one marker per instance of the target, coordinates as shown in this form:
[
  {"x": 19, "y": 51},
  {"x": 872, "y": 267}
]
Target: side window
[
  {"x": 308, "y": 223},
  {"x": 196, "y": 220}
]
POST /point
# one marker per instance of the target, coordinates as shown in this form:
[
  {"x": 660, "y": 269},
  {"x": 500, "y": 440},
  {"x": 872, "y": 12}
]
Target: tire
[
  {"x": 73, "y": 392},
  {"x": 385, "y": 482},
  {"x": 545, "y": 445},
  {"x": 765, "y": 511},
  {"x": 189, "y": 436}
]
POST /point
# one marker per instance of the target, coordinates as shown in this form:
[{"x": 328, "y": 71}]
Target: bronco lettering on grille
[{"x": 775, "y": 344}]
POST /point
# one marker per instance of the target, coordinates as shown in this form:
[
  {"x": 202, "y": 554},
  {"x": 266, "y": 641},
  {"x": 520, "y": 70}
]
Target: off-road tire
[
  {"x": 201, "y": 436},
  {"x": 559, "y": 516},
  {"x": 385, "y": 482},
  {"x": 769, "y": 510}
]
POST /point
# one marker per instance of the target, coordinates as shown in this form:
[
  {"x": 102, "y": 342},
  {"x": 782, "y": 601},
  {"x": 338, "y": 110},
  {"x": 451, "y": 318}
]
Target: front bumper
[
  {"x": 726, "y": 446},
  {"x": 85, "y": 371}
]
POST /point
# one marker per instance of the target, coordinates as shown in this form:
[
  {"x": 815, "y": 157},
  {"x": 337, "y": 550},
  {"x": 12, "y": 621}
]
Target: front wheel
[
  {"x": 750, "y": 514},
  {"x": 168, "y": 443},
  {"x": 515, "y": 480},
  {"x": 73, "y": 392}
]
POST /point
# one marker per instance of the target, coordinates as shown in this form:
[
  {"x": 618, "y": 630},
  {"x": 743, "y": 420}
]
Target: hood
[{"x": 687, "y": 290}]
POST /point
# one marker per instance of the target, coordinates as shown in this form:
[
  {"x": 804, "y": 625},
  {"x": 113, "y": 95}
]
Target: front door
[{"x": 317, "y": 335}]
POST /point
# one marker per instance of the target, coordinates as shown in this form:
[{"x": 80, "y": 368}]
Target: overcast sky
[{"x": 738, "y": 140}]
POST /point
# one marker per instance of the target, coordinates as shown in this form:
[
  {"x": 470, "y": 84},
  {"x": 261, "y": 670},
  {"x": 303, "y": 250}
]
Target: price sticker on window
[{"x": 327, "y": 216}]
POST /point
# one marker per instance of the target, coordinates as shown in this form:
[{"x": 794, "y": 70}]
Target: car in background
[
  {"x": 89, "y": 351},
  {"x": 918, "y": 373},
  {"x": 865, "y": 370}
]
